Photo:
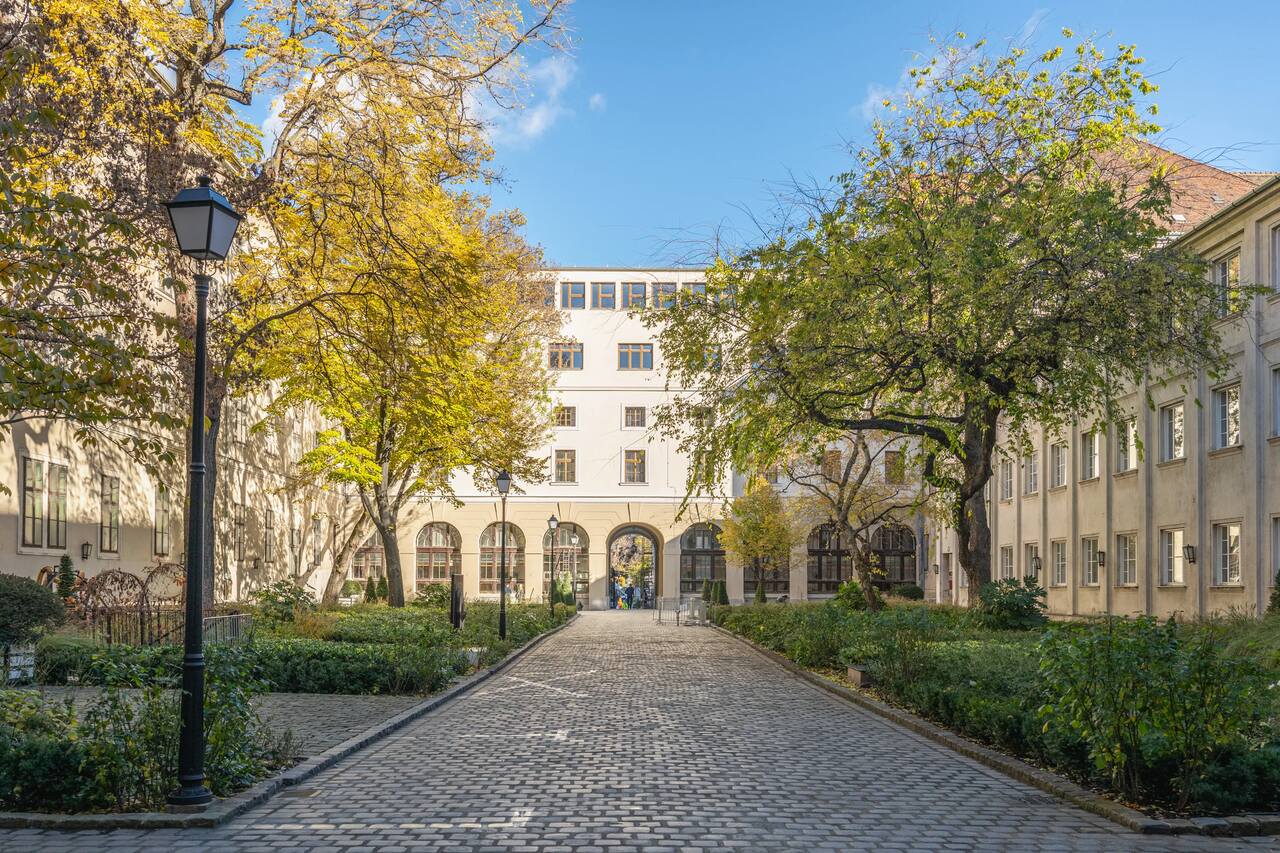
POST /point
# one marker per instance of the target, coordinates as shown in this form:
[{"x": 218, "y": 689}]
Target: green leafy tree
[
  {"x": 66, "y": 577},
  {"x": 760, "y": 530},
  {"x": 997, "y": 254}
]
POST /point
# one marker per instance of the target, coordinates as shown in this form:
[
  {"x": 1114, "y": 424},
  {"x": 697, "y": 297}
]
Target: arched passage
[
  {"x": 634, "y": 554},
  {"x": 490, "y": 558},
  {"x": 439, "y": 553},
  {"x": 564, "y": 556}
]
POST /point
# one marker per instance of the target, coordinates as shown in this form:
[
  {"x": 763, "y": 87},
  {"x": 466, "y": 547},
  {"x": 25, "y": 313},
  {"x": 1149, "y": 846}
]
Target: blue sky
[{"x": 674, "y": 118}]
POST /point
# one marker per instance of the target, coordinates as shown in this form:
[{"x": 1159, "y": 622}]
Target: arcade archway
[{"x": 634, "y": 567}]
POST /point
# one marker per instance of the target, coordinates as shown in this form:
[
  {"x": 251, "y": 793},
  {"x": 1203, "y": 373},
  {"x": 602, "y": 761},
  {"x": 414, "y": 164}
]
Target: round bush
[{"x": 26, "y": 610}]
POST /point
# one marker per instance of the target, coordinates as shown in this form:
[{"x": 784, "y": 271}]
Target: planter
[{"x": 859, "y": 676}]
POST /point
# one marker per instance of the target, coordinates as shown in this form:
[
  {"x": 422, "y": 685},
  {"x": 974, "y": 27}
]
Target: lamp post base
[{"x": 194, "y": 795}]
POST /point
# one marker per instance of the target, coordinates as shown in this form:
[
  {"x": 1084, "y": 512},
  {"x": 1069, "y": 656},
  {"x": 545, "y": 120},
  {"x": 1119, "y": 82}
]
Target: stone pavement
[
  {"x": 318, "y": 720},
  {"x": 621, "y": 735}
]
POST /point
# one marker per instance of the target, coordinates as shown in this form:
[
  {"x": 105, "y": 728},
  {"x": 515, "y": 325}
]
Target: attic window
[
  {"x": 1178, "y": 217},
  {"x": 1217, "y": 199}
]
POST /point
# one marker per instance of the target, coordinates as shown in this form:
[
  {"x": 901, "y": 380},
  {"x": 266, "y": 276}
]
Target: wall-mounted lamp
[
  {"x": 1102, "y": 559},
  {"x": 1189, "y": 553},
  {"x": 1035, "y": 566},
  {"x": 86, "y": 550}
]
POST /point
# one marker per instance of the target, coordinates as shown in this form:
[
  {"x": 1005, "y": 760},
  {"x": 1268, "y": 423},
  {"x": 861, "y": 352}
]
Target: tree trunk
[
  {"x": 341, "y": 553},
  {"x": 385, "y": 518},
  {"x": 973, "y": 531}
]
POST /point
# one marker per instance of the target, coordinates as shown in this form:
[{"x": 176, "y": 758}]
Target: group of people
[{"x": 625, "y": 595}]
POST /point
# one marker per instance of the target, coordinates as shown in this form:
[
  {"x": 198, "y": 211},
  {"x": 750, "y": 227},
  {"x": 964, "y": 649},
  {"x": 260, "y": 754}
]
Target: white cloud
[
  {"x": 1028, "y": 31},
  {"x": 597, "y": 102},
  {"x": 548, "y": 80}
]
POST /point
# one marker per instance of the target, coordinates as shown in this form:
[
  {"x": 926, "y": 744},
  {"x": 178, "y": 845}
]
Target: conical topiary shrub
[
  {"x": 722, "y": 594},
  {"x": 382, "y": 588},
  {"x": 66, "y": 577},
  {"x": 706, "y": 590},
  {"x": 371, "y": 590}
]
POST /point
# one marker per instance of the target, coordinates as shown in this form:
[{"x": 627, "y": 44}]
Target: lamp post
[
  {"x": 204, "y": 224},
  {"x": 553, "y": 524},
  {"x": 504, "y": 486}
]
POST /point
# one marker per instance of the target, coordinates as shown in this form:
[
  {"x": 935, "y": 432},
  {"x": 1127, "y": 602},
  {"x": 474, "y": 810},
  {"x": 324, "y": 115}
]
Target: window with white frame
[
  {"x": 1006, "y": 479},
  {"x": 1226, "y": 553},
  {"x": 566, "y": 416},
  {"x": 1089, "y": 455},
  {"x": 573, "y": 294},
  {"x": 633, "y": 466},
  {"x": 1226, "y": 417},
  {"x": 1171, "y": 556},
  {"x": 1225, "y": 274},
  {"x": 566, "y": 466},
  {"x": 1006, "y": 561},
  {"x": 1172, "y": 442},
  {"x": 1031, "y": 472},
  {"x": 1126, "y": 559},
  {"x": 633, "y": 417},
  {"x": 1058, "y": 553},
  {"x": 160, "y": 534},
  {"x": 1127, "y": 445},
  {"x": 1057, "y": 465},
  {"x": 1033, "y": 554},
  {"x": 1089, "y": 561}
]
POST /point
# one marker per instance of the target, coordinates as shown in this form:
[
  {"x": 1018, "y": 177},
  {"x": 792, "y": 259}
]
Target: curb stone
[
  {"x": 1064, "y": 789},
  {"x": 224, "y": 809}
]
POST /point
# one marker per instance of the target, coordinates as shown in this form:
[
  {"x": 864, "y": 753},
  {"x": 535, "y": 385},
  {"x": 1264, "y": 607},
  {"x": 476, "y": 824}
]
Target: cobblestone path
[{"x": 621, "y": 735}]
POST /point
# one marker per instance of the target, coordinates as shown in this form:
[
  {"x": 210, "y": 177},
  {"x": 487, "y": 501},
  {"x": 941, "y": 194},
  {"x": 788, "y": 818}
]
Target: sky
[{"x": 672, "y": 120}]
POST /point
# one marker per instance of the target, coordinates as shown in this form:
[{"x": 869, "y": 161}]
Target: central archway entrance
[{"x": 633, "y": 568}]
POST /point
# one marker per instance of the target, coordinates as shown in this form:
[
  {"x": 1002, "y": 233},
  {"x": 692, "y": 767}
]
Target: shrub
[
  {"x": 851, "y": 596},
  {"x": 1273, "y": 605},
  {"x": 66, "y": 577},
  {"x": 351, "y": 587},
  {"x": 1010, "y": 604},
  {"x": 26, "y": 610},
  {"x": 910, "y": 591},
  {"x": 383, "y": 592},
  {"x": 371, "y": 590},
  {"x": 434, "y": 595},
  {"x": 706, "y": 590},
  {"x": 295, "y": 665},
  {"x": 721, "y": 593},
  {"x": 284, "y": 599},
  {"x": 760, "y": 597}
]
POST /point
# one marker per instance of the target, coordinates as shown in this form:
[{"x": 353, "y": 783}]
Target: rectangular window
[
  {"x": 698, "y": 289},
  {"x": 1089, "y": 561},
  {"x": 573, "y": 294},
  {"x": 633, "y": 417},
  {"x": 109, "y": 516},
  {"x": 1029, "y": 569},
  {"x": 1126, "y": 559},
  {"x": 893, "y": 467},
  {"x": 635, "y": 356},
  {"x": 1058, "y": 459},
  {"x": 1006, "y": 561},
  {"x": 1006, "y": 480},
  {"x": 633, "y": 467},
  {"x": 1275, "y": 258},
  {"x": 1226, "y": 553},
  {"x": 565, "y": 356},
  {"x": 1127, "y": 445},
  {"x": 664, "y": 294},
  {"x": 566, "y": 416},
  {"x": 566, "y": 466},
  {"x": 1225, "y": 274},
  {"x": 160, "y": 531},
  {"x": 316, "y": 541},
  {"x": 33, "y": 490},
  {"x": 1226, "y": 417},
  {"x": 56, "y": 519},
  {"x": 1059, "y": 555},
  {"x": 603, "y": 295},
  {"x": 237, "y": 531},
  {"x": 1089, "y": 455},
  {"x": 1172, "y": 443},
  {"x": 269, "y": 537},
  {"x": 1031, "y": 472},
  {"x": 633, "y": 294},
  {"x": 1171, "y": 556}
]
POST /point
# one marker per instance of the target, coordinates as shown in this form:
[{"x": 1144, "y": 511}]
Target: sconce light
[
  {"x": 1189, "y": 553},
  {"x": 86, "y": 549},
  {"x": 1102, "y": 559},
  {"x": 1035, "y": 566}
]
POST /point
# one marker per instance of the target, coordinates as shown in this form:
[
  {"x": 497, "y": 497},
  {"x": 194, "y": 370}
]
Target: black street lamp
[
  {"x": 553, "y": 524},
  {"x": 504, "y": 486},
  {"x": 204, "y": 224}
]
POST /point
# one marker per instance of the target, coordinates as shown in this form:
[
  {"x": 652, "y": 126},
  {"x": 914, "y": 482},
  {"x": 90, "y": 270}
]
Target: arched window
[
  {"x": 369, "y": 559},
  {"x": 777, "y": 579},
  {"x": 701, "y": 557},
  {"x": 567, "y": 558},
  {"x": 439, "y": 554},
  {"x": 894, "y": 546},
  {"x": 490, "y": 551},
  {"x": 830, "y": 561}
]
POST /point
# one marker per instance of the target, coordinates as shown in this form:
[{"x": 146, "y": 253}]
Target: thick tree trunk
[
  {"x": 972, "y": 527},
  {"x": 385, "y": 518},
  {"x": 343, "y": 546}
]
